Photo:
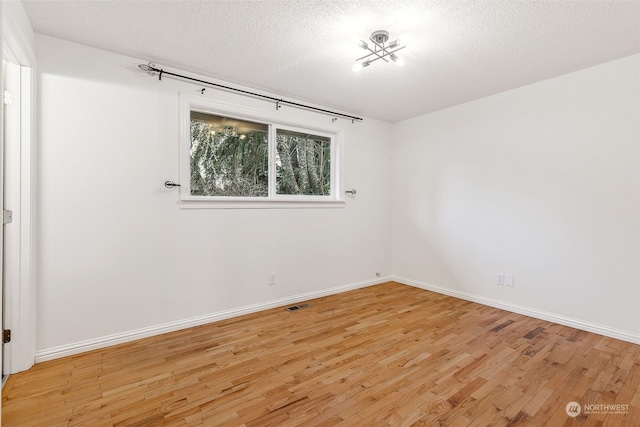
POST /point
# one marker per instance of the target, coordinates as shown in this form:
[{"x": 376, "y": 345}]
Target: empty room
[{"x": 320, "y": 213}]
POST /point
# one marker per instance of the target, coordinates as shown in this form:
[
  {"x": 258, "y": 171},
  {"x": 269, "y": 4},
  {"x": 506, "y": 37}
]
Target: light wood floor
[{"x": 383, "y": 355}]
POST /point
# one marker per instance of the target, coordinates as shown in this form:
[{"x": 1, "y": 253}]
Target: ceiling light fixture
[{"x": 381, "y": 50}]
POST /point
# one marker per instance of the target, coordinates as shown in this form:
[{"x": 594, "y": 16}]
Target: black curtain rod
[{"x": 151, "y": 69}]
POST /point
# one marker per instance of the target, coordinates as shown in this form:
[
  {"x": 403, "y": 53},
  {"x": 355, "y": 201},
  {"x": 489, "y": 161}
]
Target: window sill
[{"x": 247, "y": 203}]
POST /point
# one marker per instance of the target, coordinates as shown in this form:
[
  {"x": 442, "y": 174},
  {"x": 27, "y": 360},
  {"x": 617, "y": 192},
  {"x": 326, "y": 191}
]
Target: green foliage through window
[
  {"x": 303, "y": 164},
  {"x": 230, "y": 158}
]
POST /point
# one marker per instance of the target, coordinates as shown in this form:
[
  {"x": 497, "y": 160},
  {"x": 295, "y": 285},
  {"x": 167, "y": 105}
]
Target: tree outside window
[{"x": 230, "y": 157}]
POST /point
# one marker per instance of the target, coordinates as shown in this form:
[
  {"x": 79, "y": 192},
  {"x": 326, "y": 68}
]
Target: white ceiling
[{"x": 304, "y": 49}]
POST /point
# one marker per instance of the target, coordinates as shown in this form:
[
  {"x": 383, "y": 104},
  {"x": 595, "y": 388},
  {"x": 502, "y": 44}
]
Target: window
[
  {"x": 228, "y": 157},
  {"x": 303, "y": 163},
  {"x": 240, "y": 157}
]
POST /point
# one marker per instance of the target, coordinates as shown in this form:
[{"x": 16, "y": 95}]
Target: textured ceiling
[{"x": 304, "y": 49}]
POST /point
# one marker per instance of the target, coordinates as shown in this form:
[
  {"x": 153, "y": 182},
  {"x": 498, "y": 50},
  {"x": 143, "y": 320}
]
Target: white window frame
[{"x": 279, "y": 120}]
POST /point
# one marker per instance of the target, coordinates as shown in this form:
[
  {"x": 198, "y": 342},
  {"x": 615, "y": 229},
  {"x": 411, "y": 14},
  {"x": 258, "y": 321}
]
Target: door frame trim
[{"x": 21, "y": 304}]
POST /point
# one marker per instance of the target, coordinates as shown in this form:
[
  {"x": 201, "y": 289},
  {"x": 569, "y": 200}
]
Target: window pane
[
  {"x": 303, "y": 163},
  {"x": 229, "y": 157}
]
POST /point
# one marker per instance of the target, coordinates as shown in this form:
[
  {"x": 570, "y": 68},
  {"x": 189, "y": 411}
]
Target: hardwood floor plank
[{"x": 387, "y": 355}]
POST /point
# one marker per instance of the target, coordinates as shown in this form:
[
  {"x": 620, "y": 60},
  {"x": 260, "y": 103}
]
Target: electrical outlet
[
  {"x": 500, "y": 279},
  {"x": 509, "y": 280},
  {"x": 272, "y": 279}
]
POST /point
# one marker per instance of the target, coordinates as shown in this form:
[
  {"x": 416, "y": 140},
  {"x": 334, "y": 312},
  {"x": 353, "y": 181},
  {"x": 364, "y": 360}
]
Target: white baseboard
[
  {"x": 551, "y": 317},
  {"x": 136, "y": 334},
  {"x": 109, "y": 340}
]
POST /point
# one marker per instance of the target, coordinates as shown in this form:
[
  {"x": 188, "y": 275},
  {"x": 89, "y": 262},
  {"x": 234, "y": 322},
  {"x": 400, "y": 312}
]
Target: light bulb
[
  {"x": 363, "y": 44},
  {"x": 360, "y": 65},
  {"x": 398, "y": 61}
]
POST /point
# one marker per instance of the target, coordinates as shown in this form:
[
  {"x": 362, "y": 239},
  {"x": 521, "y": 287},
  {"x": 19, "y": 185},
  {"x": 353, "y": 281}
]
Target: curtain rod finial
[{"x": 149, "y": 68}]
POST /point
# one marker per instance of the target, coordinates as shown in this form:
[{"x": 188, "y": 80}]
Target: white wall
[
  {"x": 17, "y": 32},
  {"x": 116, "y": 252},
  {"x": 542, "y": 182}
]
